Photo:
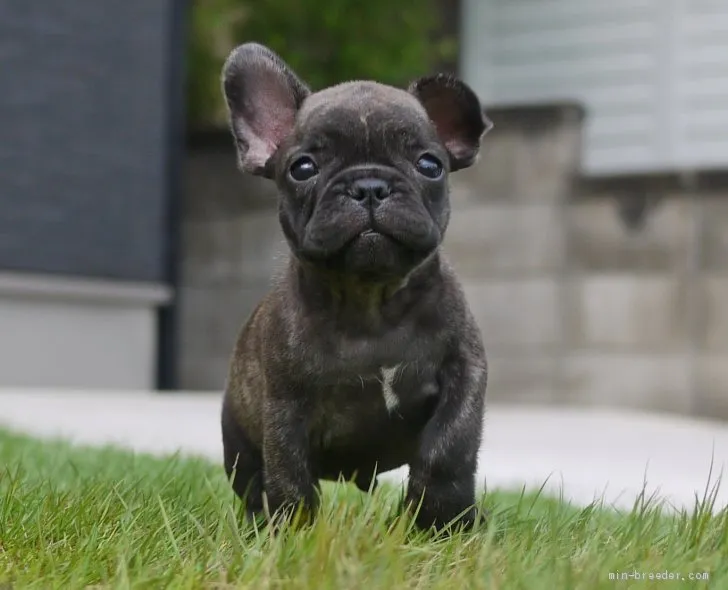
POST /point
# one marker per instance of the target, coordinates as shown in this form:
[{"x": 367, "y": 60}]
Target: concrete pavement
[{"x": 581, "y": 453}]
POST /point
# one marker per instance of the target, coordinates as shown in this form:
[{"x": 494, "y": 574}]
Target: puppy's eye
[
  {"x": 302, "y": 169},
  {"x": 429, "y": 166}
]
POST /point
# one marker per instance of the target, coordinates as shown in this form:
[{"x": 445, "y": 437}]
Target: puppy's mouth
[
  {"x": 369, "y": 235},
  {"x": 366, "y": 238},
  {"x": 375, "y": 234}
]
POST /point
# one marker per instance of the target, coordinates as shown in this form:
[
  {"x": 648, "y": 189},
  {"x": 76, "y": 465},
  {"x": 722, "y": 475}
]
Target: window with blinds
[{"x": 652, "y": 74}]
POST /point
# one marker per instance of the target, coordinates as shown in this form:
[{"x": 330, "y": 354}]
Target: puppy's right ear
[
  {"x": 457, "y": 114},
  {"x": 263, "y": 96}
]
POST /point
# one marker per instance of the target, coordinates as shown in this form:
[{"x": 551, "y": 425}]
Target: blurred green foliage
[{"x": 324, "y": 41}]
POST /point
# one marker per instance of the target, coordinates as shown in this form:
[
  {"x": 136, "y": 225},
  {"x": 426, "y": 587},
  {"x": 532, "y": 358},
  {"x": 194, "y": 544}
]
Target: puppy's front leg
[
  {"x": 289, "y": 479},
  {"x": 442, "y": 475}
]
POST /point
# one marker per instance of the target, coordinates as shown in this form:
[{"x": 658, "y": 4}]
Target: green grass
[{"x": 77, "y": 518}]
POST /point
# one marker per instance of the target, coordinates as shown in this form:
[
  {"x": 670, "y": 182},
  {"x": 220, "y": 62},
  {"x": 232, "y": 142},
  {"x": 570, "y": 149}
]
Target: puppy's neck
[{"x": 357, "y": 299}]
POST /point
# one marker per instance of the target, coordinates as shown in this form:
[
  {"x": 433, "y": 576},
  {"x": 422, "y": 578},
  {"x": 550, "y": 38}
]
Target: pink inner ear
[
  {"x": 448, "y": 122},
  {"x": 275, "y": 112},
  {"x": 457, "y": 149},
  {"x": 258, "y": 153}
]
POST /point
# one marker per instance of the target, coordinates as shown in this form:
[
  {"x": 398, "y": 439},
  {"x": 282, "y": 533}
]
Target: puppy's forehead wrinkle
[
  {"x": 364, "y": 98},
  {"x": 363, "y": 118},
  {"x": 364, "y": 121}
]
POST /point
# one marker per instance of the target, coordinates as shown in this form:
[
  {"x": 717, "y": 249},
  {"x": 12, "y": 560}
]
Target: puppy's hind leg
[{"x": 243, "y": 464}]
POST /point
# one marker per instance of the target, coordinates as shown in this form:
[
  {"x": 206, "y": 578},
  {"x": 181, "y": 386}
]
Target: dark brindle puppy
[{"x": 364, "y": 356}]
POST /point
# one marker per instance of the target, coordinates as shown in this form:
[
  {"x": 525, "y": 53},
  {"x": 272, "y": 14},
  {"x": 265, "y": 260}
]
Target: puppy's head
[{"x": 361, "y": 167}]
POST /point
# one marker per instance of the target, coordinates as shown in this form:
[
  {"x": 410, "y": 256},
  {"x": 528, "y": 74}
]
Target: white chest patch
[{"x": 389, "y": 374}]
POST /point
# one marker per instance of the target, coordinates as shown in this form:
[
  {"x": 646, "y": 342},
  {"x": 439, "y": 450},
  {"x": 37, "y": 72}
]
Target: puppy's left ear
[
  {"x": 457, "y": 114},
  {"x": 263, "y": 96}
]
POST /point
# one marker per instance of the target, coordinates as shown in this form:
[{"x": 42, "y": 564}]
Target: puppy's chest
[{"x": 394, "y": 399}]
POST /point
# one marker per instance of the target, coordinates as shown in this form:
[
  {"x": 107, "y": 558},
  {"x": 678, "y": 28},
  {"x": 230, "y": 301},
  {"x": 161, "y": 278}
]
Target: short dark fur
[{"x": 366, "y": 290}]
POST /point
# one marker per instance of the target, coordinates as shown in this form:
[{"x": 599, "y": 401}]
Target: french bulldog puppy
[{"x": 364, "y": 355}]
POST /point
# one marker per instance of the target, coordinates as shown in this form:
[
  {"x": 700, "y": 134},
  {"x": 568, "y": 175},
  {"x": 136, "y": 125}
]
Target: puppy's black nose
[{"x": 370, "y": 189}]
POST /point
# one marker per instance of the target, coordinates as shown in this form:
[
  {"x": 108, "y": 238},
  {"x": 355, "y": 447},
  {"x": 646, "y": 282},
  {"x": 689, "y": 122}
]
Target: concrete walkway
[{"x": 582, "y": 453}]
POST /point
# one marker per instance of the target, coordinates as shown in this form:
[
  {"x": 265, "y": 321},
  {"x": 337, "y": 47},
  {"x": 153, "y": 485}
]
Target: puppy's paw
[
  {"x": 445, "y": 512},
  {"x": 255, "y": 518},
  {"x": 291, "y": 514}
]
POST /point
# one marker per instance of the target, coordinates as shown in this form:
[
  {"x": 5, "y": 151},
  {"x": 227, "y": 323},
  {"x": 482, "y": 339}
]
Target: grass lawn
[{"x": 79, "y": 518}]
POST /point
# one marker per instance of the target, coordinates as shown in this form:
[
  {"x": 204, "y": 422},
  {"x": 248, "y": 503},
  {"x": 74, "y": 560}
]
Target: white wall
[
  {"x": 77, "y": 333},
  {"x": 653, "y": 74}
]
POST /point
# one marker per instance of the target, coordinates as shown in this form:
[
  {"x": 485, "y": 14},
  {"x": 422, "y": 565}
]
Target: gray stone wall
[
  {"x": 230, "y": 246},
  {"x": 609, "y": 292}
]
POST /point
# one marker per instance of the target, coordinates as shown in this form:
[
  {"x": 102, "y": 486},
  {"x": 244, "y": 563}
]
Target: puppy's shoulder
[
  {"x": 452, "y": 301},
  {"x": 454, "y": 306}
]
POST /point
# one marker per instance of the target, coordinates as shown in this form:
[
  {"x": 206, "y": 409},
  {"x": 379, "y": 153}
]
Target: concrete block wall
[
  {"x": 664, "y": 290},
  {"x": 609, "y": 292},
  {"x": 630, "y": 302},
  {"x": 712, "y": 305},
  {"x": 508, "y": 240},
  {"x": 230, "y": 246}
]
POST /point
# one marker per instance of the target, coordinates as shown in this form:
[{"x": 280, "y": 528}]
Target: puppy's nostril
[{"x": 370, "y": 188}]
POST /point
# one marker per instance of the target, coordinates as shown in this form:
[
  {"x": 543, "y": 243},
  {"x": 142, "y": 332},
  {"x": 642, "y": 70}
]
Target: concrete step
[{"x": 580, "y": 453}]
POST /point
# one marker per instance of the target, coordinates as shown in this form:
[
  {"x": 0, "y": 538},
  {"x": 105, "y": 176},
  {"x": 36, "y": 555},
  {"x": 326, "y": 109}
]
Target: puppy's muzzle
[{"x": 370, "y": 191}]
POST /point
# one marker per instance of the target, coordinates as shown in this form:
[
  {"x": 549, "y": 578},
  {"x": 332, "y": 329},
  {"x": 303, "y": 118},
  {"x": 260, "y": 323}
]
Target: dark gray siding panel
[{"x": 83, "y": 132}]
